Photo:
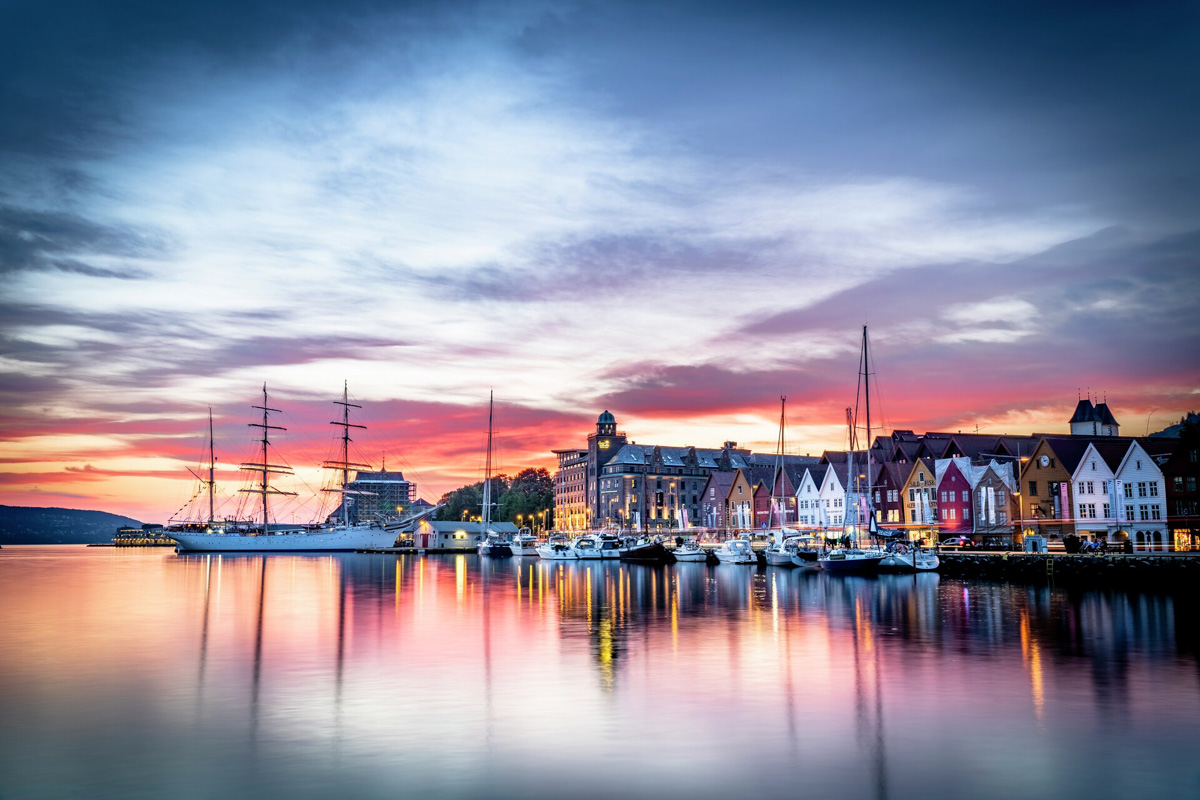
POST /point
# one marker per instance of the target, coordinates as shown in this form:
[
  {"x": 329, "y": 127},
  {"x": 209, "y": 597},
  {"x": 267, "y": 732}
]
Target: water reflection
[{"x": 449, "y": 676}]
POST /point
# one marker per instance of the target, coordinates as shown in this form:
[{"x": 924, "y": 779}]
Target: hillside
[{"x": 24, "y": 525}]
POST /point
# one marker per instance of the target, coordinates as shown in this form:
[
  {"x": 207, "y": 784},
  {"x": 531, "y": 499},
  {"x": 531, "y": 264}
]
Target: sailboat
[
  {"x": 783, "y": 541},
  {"x": 852, "y": 558},
  {"x": 494, "y": 544},
  {"x": 191, "y": 525},
  {"x": 263, "y": 536}
]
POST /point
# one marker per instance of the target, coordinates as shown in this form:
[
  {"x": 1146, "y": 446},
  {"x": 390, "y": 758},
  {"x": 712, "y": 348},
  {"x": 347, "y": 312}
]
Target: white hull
[
  {"x": 779, "y": 558},
  {"x": 903, "y": 562},
  {"x": 326, "y": 539},
  {"x": 550, "y": 553},
  {"x": 689, "y": 555},
  {"x": 524, "y": 550}
]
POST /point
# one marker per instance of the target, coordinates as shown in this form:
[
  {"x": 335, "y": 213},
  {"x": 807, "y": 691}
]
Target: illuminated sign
[{"x": 603, "y": 444}]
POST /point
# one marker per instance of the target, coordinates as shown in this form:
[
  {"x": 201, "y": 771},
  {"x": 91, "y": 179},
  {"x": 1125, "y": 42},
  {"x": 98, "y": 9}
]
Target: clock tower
[{"x": 602, "y": 446}]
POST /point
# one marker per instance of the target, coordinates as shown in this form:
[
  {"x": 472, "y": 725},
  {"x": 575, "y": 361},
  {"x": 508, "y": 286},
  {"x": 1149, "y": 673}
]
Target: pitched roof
[
  {"x": 674, "y": 456},
  {"x": 1084, "y": 412},
  {"x": 1105, "y": 415}
]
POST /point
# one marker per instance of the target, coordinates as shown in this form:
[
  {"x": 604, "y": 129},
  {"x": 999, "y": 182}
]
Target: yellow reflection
[
  {"x": 1031, "y": 654},
  {"x": 675, "y": 619},
  {"x": 460, "y": 576}
]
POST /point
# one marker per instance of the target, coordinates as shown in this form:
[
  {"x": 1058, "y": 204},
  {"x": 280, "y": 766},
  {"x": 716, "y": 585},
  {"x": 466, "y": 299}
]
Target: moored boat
[
  {"x": 736, "y": 551},
  {"x": 557, "y": 548},
  {"x": 645, "y": 550},
  {"x": 597, "y": 545},
  {"x": 690, "y": 551},
  {"x": 524, "y": 543}
]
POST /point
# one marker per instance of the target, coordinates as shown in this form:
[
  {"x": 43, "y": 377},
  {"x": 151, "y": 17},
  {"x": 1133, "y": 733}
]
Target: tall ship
[{"x": 261, "y": 535}]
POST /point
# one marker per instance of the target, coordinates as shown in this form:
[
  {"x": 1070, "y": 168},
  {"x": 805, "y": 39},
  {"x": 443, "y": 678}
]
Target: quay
[{"x": 1162, "y": 571}]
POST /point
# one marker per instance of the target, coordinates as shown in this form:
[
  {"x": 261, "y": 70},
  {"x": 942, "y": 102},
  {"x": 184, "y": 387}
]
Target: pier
[{"x": 1163, "y": 571}]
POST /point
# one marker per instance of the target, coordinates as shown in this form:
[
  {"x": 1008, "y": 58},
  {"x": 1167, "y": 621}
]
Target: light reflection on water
[{"x": 144, "y": 673}]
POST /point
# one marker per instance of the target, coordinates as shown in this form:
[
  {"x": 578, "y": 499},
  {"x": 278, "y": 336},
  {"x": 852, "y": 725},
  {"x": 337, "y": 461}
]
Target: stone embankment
[{"x": 1167, "y": 572}]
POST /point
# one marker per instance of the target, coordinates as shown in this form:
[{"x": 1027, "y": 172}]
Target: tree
[{"x": 529, "y": 494}]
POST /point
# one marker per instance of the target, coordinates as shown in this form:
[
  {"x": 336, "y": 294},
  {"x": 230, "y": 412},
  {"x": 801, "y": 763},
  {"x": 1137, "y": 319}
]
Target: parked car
[{"x": 961, "y": 542}]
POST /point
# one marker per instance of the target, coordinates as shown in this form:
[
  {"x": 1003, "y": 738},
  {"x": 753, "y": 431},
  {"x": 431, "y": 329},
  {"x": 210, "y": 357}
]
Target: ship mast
[
  {"x": 212, "y": 458},
  {"x": 486, "y": 516},
  {"x": 345, "y": 465},
  {"x": 265, "y": 467},
  {"x": 779, "y": 471}
]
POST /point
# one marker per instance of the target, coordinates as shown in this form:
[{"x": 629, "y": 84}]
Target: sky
[{"x": 677, "y": 212}]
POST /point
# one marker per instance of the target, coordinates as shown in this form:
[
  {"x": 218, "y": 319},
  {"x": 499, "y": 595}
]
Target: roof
[
  {"x": 721, "y": 481},
  {"x": 675, "y": 456},
  {"x": 1084, "y": 412},
  {"x": 450, "y": 526},
  {"x": 817, "y": 471},
  {"x": 1112, "y": 451},
  {"x": 1105, "y": 415},
  {"x": 382, "y": 476},
  {"x": 606, "y": 418}
]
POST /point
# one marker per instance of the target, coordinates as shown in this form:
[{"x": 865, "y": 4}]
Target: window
[
  {"x": 1106, "y": 511},
  {"x": 1129, "y": 490},
  {"x": 943, "y": 513},
  {"x": 1033, "y": 488},
  {"x": 999, "y": 495},
  {"x": 912, "y": 495},
  {"x": 1191, "y": 483},
  {"x": 943, "y": 497},
  {"x": 1155, "y": 513},
  {"x": 1001, "y": 518},
  {"x": 1154, "y": 488},
  {"x": 1143, "y": 512},
  {"x": 1179, "y": 483},
  {"x": 952, "y": 513},
  {"x": 712, "y": 493},
  {"x": 739, "y": 489},
  {"x": 1139, "y": 464},
  {"x": 1141, "y": 488},
  {"x": 921, "y": 477},
  {"x": 965, "y": 495},
  {"x": 1129, "y": 513},
  {"x": 966, "y": 513}
]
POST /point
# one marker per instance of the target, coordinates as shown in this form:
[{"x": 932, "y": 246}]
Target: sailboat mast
[
  {"x": 212, "y": 458},
  {"x": 850, "y": 478},
  {"x": 345, "y": 450},
  {"x": 779, "y": 466},
  {"x": 486, "y": 515},
  {"x": 866, "y": 360}
]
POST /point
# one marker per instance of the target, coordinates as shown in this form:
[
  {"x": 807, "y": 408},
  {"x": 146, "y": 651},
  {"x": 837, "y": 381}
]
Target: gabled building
[
  {"x": 714, "y": 501},
  {"x": 889, "y": 487},
  {"x": 1140, "y": 493},
  {"x": 1093, "y": 420},
  {"x": 809, "y": 507},
  {"x": 920, "y": 500},
  {"x": 995, "y": 504},
  {"x": 1094, "y": 495},
  {"x": 954, "y": 483},
  {"x": 1179, "y": 460}
]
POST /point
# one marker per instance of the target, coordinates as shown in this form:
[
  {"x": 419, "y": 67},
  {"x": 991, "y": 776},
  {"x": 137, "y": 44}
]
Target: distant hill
[
  {"x": 24, "y": 525},
  {"x": 1176, "y": 430}
]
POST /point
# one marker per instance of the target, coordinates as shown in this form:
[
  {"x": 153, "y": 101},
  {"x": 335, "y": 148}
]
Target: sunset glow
[{"x": 580, "y": 208}]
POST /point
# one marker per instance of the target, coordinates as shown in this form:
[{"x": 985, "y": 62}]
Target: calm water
[{"x": 141, "y": 673}]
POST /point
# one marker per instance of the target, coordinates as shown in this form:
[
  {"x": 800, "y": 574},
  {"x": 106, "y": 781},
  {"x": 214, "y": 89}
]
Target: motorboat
[
  {"x": 690, "y": 551},
  {"x": 851, "y": 559},
  {"x": 902, "y": 558},
  {"x": 496, "y": 545},
  {"x": 648, "y": 550},
  {"x": 524, "y": 543},
  {"x": 781, "y": 554},
  {"x": 597, "y": 545},
  {"x": 557, "y": 548},
  {"x": 805, "y": 552},
  {"x": 736, "y": 551}
]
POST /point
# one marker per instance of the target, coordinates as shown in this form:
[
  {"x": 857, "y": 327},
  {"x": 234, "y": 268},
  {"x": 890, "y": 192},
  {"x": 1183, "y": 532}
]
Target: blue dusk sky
[{"x": 675, "y": 211}]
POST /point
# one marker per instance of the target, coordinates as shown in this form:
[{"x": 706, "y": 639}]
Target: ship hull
[{"x": 352, "y": 538}]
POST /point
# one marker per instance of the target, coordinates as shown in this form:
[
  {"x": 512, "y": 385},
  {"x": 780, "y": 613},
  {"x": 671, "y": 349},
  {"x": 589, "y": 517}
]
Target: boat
[
  {"x": 851, "y": 558},
  {"x": 524, "y": 543},
  {"x": 646, "y": 550},
  {"x": 804, "y": 551},
  {"x": 779, "y": 552},
  {"x": 494, "y": 545},
  {"x": 736, "y": 551},
  {"x": 597, "y": 545},
  {"x": 690, "y": 551},
  {"x": 902, "y": 557},
  {"x": 265, "y": 536},
  {"x": 557, "y": 548}
]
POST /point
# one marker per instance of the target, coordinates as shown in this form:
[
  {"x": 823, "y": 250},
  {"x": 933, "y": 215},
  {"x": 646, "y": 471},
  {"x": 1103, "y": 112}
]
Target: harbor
[{"x": 446, "y": 676}]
